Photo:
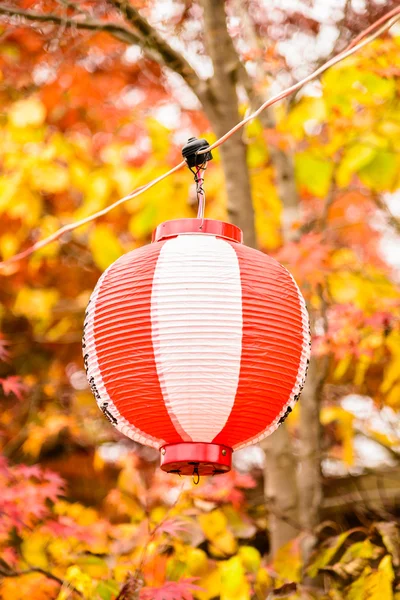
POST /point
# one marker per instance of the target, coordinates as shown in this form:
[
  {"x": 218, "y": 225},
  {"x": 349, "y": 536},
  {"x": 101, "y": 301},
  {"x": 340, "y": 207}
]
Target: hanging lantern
[{"x": 196, "y": 344}]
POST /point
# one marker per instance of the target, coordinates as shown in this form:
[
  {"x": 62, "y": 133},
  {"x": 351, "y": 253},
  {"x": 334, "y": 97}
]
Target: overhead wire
[
  {"x": 389, "y": 20},
  {"x": 296, "y": 86}
]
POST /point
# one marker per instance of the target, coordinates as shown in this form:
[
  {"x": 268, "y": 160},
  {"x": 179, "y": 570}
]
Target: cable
[
  {"x": 389, "y": 19},
  {"x": 296, "y": 86},
  {"x": 57, "y": 234},
  {"x": 383, "y": 19}
]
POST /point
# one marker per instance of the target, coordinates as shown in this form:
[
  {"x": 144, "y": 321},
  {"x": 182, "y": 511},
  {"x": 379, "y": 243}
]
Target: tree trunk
[
  {"x": 280, "y": 489},
  {"x": 309, "y": 459},
  {"x": 223, "y": 114}
]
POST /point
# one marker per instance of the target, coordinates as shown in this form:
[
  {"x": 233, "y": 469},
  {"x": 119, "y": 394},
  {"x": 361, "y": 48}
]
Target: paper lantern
[{"x": 196, "y": 344}]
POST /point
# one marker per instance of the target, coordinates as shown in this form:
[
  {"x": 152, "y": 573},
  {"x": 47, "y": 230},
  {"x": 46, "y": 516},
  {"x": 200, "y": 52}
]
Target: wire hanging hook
[
  {"x": 201, "y": 195},
  {"x": 197, "y": 164},
  {"x": 196, "y": 474}
]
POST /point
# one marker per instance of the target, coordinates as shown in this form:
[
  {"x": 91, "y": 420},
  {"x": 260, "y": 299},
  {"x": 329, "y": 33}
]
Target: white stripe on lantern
[{"x": 197, "y": 324}]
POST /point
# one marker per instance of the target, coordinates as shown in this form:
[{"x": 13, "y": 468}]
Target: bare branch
[
  {"x": 395, "y": 223},
  {"x": 119, "y": 31},
  {"x": 153, "y": 45},
  {"x": 159, "y": 49},
  {"x": 7, "y": 571},
  {"x": 72, "y": 6}
]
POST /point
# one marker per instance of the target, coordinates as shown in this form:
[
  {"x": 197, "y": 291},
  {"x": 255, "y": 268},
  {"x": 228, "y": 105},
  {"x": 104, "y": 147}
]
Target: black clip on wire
[{"x": 197, "y": 163}]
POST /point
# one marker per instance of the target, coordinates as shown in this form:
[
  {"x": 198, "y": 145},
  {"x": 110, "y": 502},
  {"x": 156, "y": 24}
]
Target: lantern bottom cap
[{"x": 196, "y": 458}]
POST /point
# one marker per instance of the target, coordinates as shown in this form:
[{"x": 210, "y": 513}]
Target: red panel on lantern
[{"x": 270, "y": 353}]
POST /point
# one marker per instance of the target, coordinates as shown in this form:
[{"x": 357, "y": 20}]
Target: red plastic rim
[
  {"x": 209, "y": 226},
  {"x": 196, "y": 458}
]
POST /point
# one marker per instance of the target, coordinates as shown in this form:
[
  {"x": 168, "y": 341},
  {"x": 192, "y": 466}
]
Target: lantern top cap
[{"x": 170, "y": 229}]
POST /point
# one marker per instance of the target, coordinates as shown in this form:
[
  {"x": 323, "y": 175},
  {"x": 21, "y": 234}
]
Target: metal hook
[
  {"x": 201, "y": 195},
  {"x": 196, "y": 472}
]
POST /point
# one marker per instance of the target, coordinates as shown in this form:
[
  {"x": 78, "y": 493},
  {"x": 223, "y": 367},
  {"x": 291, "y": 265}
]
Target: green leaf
[
  {"x": 325, "y": 556},
  {"x": 354, "y": 159},
  {"x": 257, "y": 154},
  {"x": 107, "y": 590},
  {"x": 142, "y": 223},
  {"x": 356, "y": 559},
  {"x": 308, "y": 109},
  {"x": 381, "y": 173},
  {"x": 313, "y": 173},
  {"x": 347, "y": 86}
]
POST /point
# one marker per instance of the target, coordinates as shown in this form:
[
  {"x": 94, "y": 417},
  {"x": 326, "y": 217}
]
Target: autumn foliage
[{"x": 87, "y": 514}]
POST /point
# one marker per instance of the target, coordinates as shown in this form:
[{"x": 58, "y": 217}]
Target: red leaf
[
  {"x": 24, "y": 495},
  {"x": 4, "y": 352},
  {"x": 13, "y": 385},
  {"x": 173, "y": 527},
  {"x": 10, "y": 556}
]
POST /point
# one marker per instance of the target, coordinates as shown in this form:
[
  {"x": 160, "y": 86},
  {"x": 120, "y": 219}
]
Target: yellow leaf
[
  {"x": 381, "y": 173},
  {"x": 9, "y": 185},
  {"x": 105, "y": 246},
  {"x": 393, "y": 397},
  {"x": 357, "y": 590},
  {"x": 125, "y": 180},
  {"x": 79, "y": 174},
  {"x": 35, "y": 586},
  {"x": 392, "y": 371},
  {"x": 354, "y": 159},
  {"x": 60, "y": 550},
  {"x": 59, "y": 330},
  {"x": 35, "y": 303},
  {"x": 27, "y": 206},
  {"x": 234, "y": 584},
  {"x": 379, "y": 583},
  {"x": 362, "y": 365},
  {"x": 50, "y": 178},
  {"x": 327, "y": 553},
  {"x": 342, "y": 366},
  {"x": 213, "y": 523},
  {"x": 263, "y": 583},
  {"x": 34, "y": 549},
  {"x": 81, "y": 581},
  {"x": 310, "y": 110},
  {"x": 157, "y": 514},
  {"x": 25, "y": 113},
  {"x": 267, "y": 209},
  {"x": 8, "y": 245},
  {"x": 314, "y": 173},
  {"x": 35, "y": 440},
  {"x": 94, "y": 566},
  {"x": 250, "y": 558},
  {"x": 197, "y": 562},
  {"x": 287, "y": 562},
  {"x": 224, "y": 544},
  {"x": 210, "y": 585},
  {"x": 160, "y": 137},
  {"x": 344, "y": 421}
]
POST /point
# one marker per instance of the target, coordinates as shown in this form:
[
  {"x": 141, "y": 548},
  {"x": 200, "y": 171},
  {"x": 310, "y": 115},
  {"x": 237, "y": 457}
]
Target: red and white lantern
[{"x": 196, "y": 344}]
